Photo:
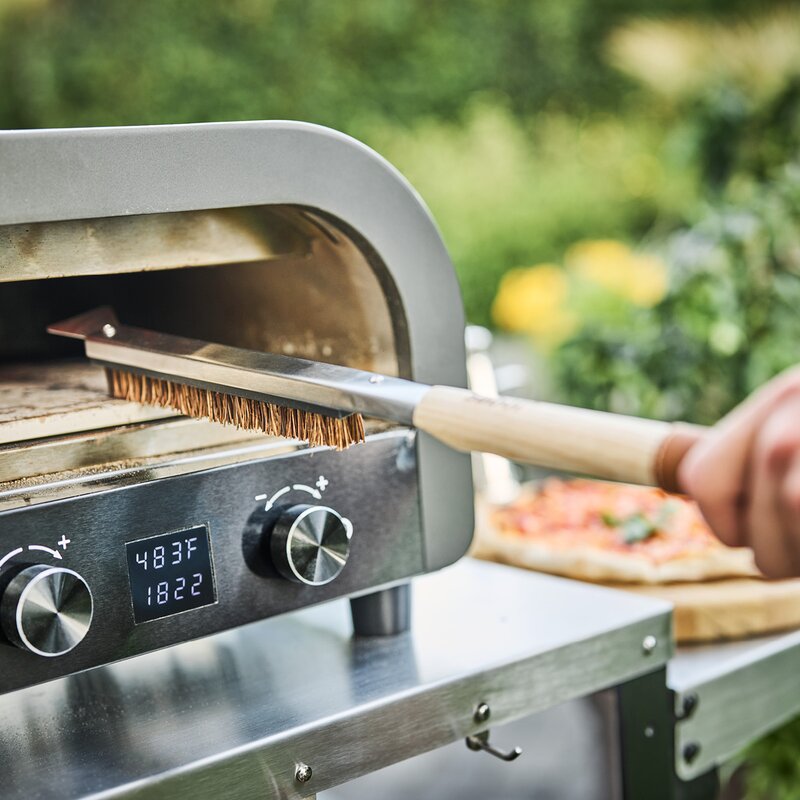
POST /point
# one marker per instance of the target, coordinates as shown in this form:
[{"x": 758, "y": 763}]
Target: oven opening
[{"x": 280, "y": 279}]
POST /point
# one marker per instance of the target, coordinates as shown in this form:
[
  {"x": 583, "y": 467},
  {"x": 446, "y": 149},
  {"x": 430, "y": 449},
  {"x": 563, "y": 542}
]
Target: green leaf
[
  {"x": 609, "y": 519},
  {"x": 637, "y": 528}
]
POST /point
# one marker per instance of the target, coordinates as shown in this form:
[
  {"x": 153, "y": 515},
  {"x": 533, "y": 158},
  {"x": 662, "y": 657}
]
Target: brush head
[
  {"x": 275, "y": 394},
  {"x": 243, "y": 412}
]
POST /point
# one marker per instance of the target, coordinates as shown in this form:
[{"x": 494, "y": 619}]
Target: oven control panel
[{"x": 103, "y": 576}]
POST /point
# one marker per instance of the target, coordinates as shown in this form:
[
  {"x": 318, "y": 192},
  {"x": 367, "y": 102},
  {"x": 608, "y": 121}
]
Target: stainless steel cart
[{"x": 292, "y": 706}]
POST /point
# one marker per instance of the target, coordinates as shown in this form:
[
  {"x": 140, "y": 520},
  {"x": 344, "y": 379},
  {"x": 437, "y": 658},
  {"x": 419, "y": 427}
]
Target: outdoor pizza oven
[{"x": 150, "y": 529}]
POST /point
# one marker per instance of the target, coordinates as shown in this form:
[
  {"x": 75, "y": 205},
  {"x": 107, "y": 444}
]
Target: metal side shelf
[
  {"x": 730, "y": 695},
  {"x": 234, "y": 715}
]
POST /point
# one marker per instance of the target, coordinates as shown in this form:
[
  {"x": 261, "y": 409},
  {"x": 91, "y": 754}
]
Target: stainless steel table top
[
  {"x": 744, "y": 690},
  {"x": 232, "y": 715}
]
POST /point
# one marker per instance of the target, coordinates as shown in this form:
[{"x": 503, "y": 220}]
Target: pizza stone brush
[{"x": 324, "y": 404}]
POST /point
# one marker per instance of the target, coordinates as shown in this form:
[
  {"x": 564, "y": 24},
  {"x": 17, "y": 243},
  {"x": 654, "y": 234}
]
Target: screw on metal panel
[
  {"x": 109, "y": 331},
  {"x": 302, "y": 773},
  {"x": 376, "y": 379},
  {"x": 649, "y": 644},
  {"x": 649, "y": 732},
  {"x": 690, "y": 752},
  {"x": 482, "y": 712},
  {"x": 688, "y": 706}
]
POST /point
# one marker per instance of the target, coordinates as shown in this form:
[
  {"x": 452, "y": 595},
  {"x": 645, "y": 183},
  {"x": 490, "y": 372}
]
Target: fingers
[
  {"x": 717, "y": 472},
  {"x": 789, "y": 504},
  {"x": 714, "y": 473},
  {"x": 769, "y": 525},
  {"x": 718, "y": 494}
]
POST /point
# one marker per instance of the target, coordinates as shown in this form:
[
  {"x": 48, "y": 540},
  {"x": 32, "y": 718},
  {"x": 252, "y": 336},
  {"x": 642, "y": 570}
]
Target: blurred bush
[
  {"x": 774, "y": 767},
  {"x": 601, "y": 280},
  {"x": 108, "y": 62},
  {"x": 504, "y": 113},
  {"x": 735, "y": 85},
  {"x": 507, "y": 192},
  {"x": 728, "y": 322},
  {"x": 104, "y": 62}
]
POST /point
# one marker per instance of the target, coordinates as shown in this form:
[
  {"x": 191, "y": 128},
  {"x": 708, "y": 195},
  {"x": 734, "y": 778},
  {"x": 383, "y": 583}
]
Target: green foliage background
[
  {"x": 113, "y": 62},
  {"x": 729, "y": 322},
  {"x": 504, "y": 113}
]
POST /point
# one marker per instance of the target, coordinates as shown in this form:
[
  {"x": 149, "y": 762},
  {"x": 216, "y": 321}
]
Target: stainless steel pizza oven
[{"x": 147, "y": 529}]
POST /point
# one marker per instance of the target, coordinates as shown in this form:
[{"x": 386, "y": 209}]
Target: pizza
[{"x": 610, "y": 533}]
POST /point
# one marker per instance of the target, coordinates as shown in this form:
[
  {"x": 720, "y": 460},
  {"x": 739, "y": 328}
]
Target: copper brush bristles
[{"x": 231, "y": 409}]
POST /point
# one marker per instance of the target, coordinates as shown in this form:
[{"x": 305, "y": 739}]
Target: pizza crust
[{"x": 592, "y": 564}]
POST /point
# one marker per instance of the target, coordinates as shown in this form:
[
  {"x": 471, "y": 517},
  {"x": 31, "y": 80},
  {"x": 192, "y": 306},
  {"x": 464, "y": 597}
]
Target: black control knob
[
  {"x": 46, "y": 610},
  {"x": 310, "y": 544}
]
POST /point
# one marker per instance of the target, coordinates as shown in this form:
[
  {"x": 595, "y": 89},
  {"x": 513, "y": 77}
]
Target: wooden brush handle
[{"x": 560, "y": 437}]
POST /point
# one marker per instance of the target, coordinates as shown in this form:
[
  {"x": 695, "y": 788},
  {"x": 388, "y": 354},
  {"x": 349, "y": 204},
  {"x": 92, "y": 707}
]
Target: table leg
[
  {"x": 646, "y": 738},
  {"x": 646, "y": 723}
]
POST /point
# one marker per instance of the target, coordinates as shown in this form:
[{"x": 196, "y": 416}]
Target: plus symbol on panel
[
  {"x": 63, "y": 541},
  {"x": 322, "y": 483}
]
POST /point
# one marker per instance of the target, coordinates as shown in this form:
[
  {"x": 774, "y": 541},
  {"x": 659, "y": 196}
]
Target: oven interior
[{"x": 283, "y": 279}]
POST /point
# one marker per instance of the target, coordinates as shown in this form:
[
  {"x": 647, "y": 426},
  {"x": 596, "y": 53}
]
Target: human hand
[{"x": 745, "y": 476}]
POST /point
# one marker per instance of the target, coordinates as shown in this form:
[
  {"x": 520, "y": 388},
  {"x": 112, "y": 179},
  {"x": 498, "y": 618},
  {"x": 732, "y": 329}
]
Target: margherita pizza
[{"x": 610, "y": 532}]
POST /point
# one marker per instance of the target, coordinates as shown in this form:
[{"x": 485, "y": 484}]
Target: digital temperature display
[{"x": 170, "y": 573}]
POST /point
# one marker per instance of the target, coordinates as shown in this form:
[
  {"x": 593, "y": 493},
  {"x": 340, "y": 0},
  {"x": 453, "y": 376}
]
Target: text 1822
[{"x": 181, "y": 588}]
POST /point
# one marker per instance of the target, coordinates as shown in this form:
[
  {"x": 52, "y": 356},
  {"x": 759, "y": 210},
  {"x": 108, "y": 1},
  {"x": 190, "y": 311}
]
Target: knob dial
[
  {"x": 46, "y": 610},
  {"x": 310, "y": 544}
]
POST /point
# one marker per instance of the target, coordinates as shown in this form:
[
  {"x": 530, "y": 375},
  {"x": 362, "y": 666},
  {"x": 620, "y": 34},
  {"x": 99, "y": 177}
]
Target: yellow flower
[
  {"x": 641, "y": 279},
  {"x": 604, "y": 262},
  {"x": 648, "y": 280},
  {"x": 533, "y": 300}
]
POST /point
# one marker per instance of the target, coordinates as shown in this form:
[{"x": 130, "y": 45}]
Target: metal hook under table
[{"x": 480, "y": 741}]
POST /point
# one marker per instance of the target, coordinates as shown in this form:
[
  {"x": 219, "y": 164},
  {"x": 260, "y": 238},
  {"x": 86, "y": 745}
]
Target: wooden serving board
[
  {"x": 728, "y": 609},
  {"x": 704, "y": 611}
]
